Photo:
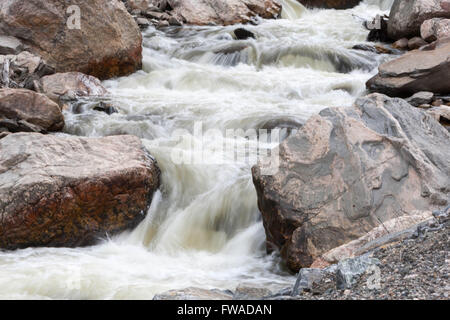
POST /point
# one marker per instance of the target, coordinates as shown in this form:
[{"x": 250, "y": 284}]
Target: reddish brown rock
[
  {"x": 347, "y": 172},
  {"x": 21, "y": 107},
  {"x": 71, "y": 191},
  {"x": 107, "y": 44}
]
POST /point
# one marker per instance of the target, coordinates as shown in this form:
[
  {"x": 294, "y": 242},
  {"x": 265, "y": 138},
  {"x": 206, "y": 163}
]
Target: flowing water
[{"x": 203, "y": 228}]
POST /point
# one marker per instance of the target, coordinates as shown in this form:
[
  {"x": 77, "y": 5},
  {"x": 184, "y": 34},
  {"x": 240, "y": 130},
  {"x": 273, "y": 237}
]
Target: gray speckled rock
[
  {"x": 349, "y": 170},
  {"x": 349, "y": 270}
]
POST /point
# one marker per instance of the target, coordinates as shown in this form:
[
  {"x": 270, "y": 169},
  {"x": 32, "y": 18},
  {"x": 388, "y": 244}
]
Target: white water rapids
[{"x": 204, "y": 228}]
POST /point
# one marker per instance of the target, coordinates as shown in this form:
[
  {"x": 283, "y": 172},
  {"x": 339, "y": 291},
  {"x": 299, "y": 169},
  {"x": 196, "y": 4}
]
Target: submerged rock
[
  {"x": 103, "y": 40},
  {"x": 26, "y": 110},
  {"x": 427, "y": 69},
  {"x": 346, "y": 172},
  {"x": 71, "y": 191}
]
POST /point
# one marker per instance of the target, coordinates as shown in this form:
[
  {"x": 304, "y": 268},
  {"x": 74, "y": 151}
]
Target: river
[{"x": 203, "y": 228}]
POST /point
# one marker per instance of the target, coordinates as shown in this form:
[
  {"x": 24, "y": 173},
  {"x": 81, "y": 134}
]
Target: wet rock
[
  {"x": 28, "y": 107},
  {"x": 71, "y": 191},
  {"x": 419, "y": 70},
  {"x": 434, "y": 29},
  {"x": 401, "y": 44},
  {"x": 349, "y": 270},
  {"x": 61, "y": 87},
  {"x": 437, "y": 103},
  {"x": 330, "y": 4},
  {"x": 420, "y": 98},
  {"x": 406, "y": 17},
  {"x": 348, "y": 171},
  {"x": 416, "y": 43},
  {"x": 105, "y": 107},
  {"x": 243, "y": 292},
  {"x": 194, "y": 294},
  {"x": 242, "y": 34},
  {"x": 10, "y": 45},
  {"x": 106, "y": 43}
]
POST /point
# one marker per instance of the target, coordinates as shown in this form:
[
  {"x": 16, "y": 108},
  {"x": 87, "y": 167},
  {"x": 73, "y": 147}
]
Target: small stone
[
  {"x": 401, "y": 44},
  {"x": 420, "y": 98},
  {"x": 173, "y": 21},
  {"x": 416, "y": 43}
]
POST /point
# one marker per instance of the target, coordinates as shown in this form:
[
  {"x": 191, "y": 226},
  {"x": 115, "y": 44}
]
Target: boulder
[
  {"x": 348, "y": 171},
  {"x": 406, "y": 17},
  {"x": 330, "y": 4},
  {"x": 21, "y": 107},
  {"x": 427, "y": 69},
  {"x": 436, "y": 28},
  {"x": 70, "y": 85},
  {"x": 71, "y": 191},
  {"x": 106, "y": 43}
]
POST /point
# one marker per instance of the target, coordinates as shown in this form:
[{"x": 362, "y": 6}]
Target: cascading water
[{"x": 203, "y": 228}]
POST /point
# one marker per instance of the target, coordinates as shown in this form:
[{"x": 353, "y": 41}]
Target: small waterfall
[{"x": 292, "y": 9}]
